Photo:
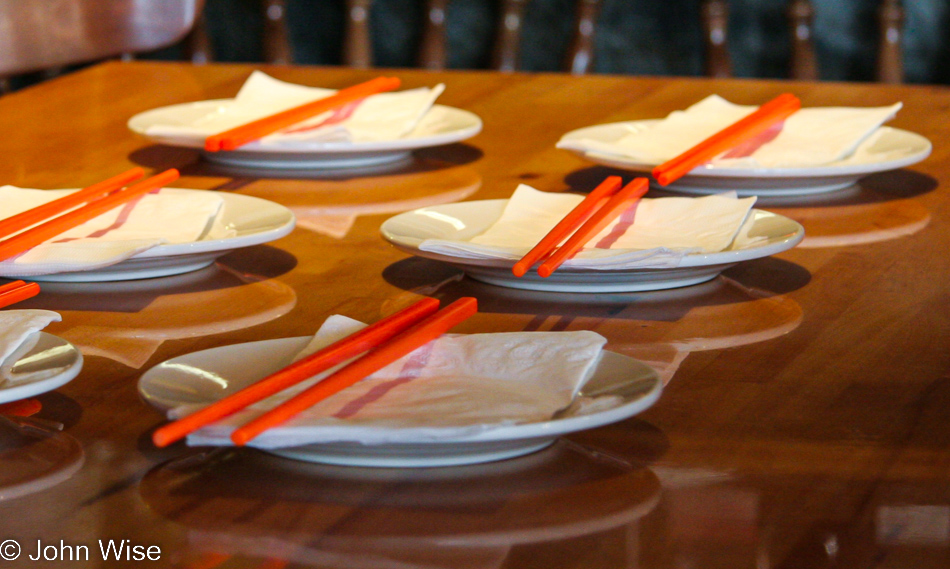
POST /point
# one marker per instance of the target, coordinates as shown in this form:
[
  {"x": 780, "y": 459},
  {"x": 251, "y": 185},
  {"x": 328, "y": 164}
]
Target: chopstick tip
[{"x": 161, "y": 439}]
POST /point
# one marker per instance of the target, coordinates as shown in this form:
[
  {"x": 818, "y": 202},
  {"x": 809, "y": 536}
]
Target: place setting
[
  {"x": 32, "y": 362},
  {"x": 272, "y": 124},
  {"x": 127, "y": 228},
  {"x": 798, "y": 151},
  {"x": 415, "y": 399},
  {"x": 646, "y": 244}
]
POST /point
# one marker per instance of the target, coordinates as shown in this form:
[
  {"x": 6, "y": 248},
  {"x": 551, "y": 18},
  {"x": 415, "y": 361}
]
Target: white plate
[
  {"x": 253, "y": 220},
  {"x": 53, "y": 362},
  {"x": 893, "y": 149},
  {"x": 462, "y": 221},
  {"x": 199, "y": 377},
  {"x": 441, "y": 125}
]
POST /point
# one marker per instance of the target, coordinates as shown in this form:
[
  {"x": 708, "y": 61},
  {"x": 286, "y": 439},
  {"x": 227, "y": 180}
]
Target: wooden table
[{"x": 805, "y": 422}]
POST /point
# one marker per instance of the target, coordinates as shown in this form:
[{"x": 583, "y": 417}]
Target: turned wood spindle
[
  {"x": 804, "y": 66},
  {"x": 276, "y": 42},
  {"x": 715, "y": 16},
  {"x": 581, "y": 53},
  {"x": 509, "y": 35},
  {"x": 358, "y": 46},
  {"x": 432, "y": 54},
  {"x": 197, "y": 44},
  {"x": 890, "y": 66}
]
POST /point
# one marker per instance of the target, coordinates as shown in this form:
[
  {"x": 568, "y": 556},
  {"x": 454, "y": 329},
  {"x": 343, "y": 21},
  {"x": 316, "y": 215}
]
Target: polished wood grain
[{"x": 804, "y": 423}]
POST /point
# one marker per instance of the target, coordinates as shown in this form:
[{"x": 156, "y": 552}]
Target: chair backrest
[
  {"x": 43, "y": 34},
  {"x": 433, "y": 54},
  {"x": 803, "y": 64}
]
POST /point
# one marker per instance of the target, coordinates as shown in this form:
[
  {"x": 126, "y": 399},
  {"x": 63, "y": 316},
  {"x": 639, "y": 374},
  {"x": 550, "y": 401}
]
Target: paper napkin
[
  {"x": 169, "y": 216},
  {"x": 656, "y": 233},
  {"x": 810, "y": 137},
  {"x": 454, "y": 386},
  {"x": 385, "y": 116},
  {"x": 18, "y": 336}
]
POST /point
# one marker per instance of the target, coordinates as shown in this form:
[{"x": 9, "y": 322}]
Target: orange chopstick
[
  {"x": 14, "y": 292},
  {"x": 43, "y": 232},
  {"x": 418, "y": 335},
  {"x": 241, "y": 135},
  {"x": 776, "y": 110},
  {"x": 307, "y": 367},
  {"x": 613, "y": 208},
  {"x": 594, "y": 200},
  {"x": 37, "y": 214}
]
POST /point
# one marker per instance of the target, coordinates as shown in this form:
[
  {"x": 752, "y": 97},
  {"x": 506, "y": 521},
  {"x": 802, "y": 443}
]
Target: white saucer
[
  {"x": 893, "y": 149},
  {"x": 254, "y": 221},
  {"x": 53, "y": 362},
  {"x": 441, "y": 125},
  {"x": 199, "y": 377},
  {"x": 462, "y": 221}
]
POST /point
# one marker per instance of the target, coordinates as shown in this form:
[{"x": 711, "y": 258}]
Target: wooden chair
[
  {"x": 803, "y": 64},
  {"x": 357, "y": 51},
  {"x": 45, "y": 34}
]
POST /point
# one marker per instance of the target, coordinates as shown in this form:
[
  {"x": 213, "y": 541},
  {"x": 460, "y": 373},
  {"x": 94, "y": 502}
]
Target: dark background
[{"x": 638, "y": 37}]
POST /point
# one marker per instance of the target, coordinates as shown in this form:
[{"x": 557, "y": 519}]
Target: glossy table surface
[{"x": 805, "y": 423}]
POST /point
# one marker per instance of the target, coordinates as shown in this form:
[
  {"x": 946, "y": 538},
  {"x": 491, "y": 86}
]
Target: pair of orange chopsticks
[
  {"x": 98, "y": 199},
  {"x": 16, "y": 291},
  {"x": 772, "y": 112},
  {"x": 241, "y": 135},
  {"x": 604, "y": 204},
  {"x": 383, "y": 343}
]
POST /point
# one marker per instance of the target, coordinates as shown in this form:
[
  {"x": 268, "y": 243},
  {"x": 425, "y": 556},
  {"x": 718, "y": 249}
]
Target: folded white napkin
[
  {"x": 169, "y": 216},
  {"x": 663, "y": 230},
  {"x": 385, "y": 116},
  {"x": 457, "y": 385},
  {"x": 810, "y": 137},
  {"x": 18, "y": 335}
]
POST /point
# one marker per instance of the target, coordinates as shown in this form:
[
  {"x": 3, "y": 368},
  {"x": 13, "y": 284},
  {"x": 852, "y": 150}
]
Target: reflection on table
[
  {"x": 471, "y": 516},
  {"x": 127, "y": 321},
  {"x": 746, "y": 305}
]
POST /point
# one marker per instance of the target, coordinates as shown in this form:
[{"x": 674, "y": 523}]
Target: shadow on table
[
  {"x": 884, "y": 186},
  {"x": 190, "y": 163},
  {"x": 750, "y": 280},
  {"x": 238, "y": 268}
]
